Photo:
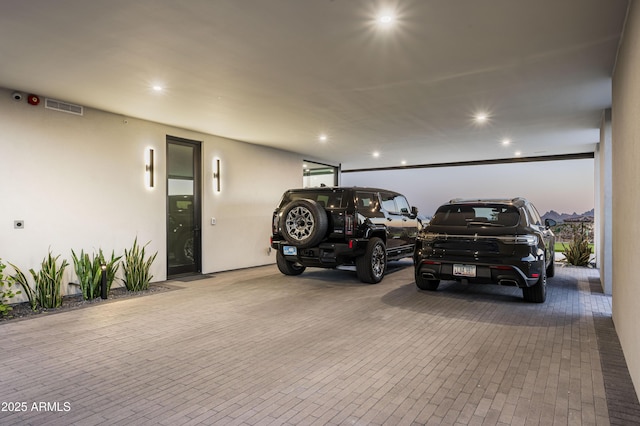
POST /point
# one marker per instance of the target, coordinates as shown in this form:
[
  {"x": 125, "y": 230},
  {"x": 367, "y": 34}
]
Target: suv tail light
[
  {"x": 529, "y": 239},
  {"x": 348, "y": 224},
  {"x": 274, "y": 224}
]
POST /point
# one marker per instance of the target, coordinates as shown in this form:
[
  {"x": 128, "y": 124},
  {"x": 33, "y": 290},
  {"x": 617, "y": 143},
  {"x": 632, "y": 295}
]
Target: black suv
[
  {"x": 330, "y": 226},
  {"x": 487, "y": 241}
]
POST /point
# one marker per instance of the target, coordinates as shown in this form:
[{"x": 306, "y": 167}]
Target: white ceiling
[{"x": 283, "y": 72}]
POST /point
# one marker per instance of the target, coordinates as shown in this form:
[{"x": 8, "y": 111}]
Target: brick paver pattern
[{"x": 254, "y": 347}]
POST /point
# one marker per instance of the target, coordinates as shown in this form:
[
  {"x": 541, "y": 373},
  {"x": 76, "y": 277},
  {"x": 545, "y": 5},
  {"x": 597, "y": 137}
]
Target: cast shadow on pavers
[
  {"x": 488, "y": 303},
  {"x": 346, "y": 275}
]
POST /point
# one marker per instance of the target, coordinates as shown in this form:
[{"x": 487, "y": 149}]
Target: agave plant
[
  {"x": 136, "y": 267},
  {"x": 578, "y": 252}
]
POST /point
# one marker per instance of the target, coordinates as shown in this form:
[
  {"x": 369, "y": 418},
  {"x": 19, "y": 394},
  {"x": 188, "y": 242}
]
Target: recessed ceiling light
[
  {"x": 304, "y": 166},
  {"x": 506, "y": 141},
  {"x": 376, "y": 154},
  {"x": 517, "y": 153},
  {"x": 481, "y": 117},
  {"x": 157, "y": 88},
  {"x": 322, "y": 138},
  {"x": 386, "y": 19},
  {"x": 403, "y": 162}
]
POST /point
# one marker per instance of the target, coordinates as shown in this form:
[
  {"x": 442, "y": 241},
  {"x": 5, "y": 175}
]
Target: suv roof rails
[{"x": 488, "y": 200}]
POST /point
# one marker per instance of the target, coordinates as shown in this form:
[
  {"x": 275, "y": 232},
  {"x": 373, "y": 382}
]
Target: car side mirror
[
  {"x": 549, "y": 223},
  {"x": 414, "y": 211}
]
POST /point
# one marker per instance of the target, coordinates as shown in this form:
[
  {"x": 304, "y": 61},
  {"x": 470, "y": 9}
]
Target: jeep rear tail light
[
  {"x": 274, "y": 225},
  {"x": 348, "y": 224}
]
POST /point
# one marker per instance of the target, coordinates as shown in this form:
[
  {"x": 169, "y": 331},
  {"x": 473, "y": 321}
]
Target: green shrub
[
  {"x": 6, "y": 291},
  {"x": 578, "y": 252},
  {"x": 20, "y": 278},
  {"x": 136, "y": 267},
  {"x": 89, "y": 274},
  {"x": 48, "y": 281},
  {"x": 112, "y": 267}
]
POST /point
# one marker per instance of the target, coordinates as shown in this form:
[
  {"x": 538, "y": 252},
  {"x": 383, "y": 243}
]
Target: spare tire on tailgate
[{"x": 303, "y": 223}]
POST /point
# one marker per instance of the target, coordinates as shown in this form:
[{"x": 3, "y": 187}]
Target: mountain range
[{"x": 563, "y": 217}]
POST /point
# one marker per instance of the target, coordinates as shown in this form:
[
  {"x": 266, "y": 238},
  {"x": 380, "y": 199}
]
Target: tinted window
[
  {"x": 476, "y": 215},
  {"x": 327, "y": 199},
  {"x": 533, "y": 213},
  {"x": 367, "y": 203}
]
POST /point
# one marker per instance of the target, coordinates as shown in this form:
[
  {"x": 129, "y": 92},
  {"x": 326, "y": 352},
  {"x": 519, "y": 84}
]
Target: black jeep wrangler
[{"x": 327, "y": 227}]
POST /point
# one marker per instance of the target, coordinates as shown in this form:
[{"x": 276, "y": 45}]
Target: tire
[
  {"x": 371, "y": 266},
  {"x": 537, "y": 293},
  {"x": 286, "y": 267},
  {"x": 185, "y": 250},
  {"x": 551, "y": 270},
  {"x": 425, "y": 284},
  {"x": 303, "y": 223}
]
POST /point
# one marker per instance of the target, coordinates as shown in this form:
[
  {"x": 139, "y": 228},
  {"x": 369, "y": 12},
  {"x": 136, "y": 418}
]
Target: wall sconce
[
  {"x": 216, "y": 175},
  {"x": 149, "y": 168}
]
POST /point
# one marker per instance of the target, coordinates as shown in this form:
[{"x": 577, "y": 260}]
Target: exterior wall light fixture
[
  {"x": 216, "y": 174},
  {"x": 149, "y": 168}
]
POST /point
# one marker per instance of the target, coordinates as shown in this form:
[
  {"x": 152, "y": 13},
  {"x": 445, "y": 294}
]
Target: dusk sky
[{"x": 564, "y": 186}]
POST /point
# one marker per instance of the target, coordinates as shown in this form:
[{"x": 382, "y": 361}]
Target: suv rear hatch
[
  {"x": 332, "y": 200},
  {"x": 474, "y": 231}
]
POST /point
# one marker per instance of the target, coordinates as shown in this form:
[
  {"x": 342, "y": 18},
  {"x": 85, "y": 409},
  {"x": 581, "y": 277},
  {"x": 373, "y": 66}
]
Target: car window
[
  {"x": 368, "y": 204},
  {"x": 327, "y": 199},
  {"x": 388, "y": 203},
  {"x": 476, "y": 215},
  {"x": 402, "y": 205},
  {"x": 533, "y": 215}
]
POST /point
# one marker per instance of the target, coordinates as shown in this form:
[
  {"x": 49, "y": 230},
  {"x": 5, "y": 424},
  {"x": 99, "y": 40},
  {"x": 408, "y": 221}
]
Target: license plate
[
  {"x": 289, "y": 250},
  {"x": 464, "y": 270}
]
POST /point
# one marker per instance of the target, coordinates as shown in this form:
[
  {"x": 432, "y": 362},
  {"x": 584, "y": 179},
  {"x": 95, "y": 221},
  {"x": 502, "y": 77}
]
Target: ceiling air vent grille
[{"x": 63, "y": 106}]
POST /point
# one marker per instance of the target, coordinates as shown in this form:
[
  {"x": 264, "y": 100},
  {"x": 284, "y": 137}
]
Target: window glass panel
[
  {"x": 368, "y": 204},
  {"x": 402, "y": 205},
  {"x": 388, "y": 203}
]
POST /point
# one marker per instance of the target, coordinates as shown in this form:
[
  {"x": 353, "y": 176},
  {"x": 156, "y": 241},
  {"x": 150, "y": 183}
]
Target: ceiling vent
[{"x": 63, "y": 106}]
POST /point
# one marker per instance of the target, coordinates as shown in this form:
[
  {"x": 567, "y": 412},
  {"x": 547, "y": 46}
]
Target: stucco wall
[
  {"x": 603, "y": 216},
  {"x": 78, "y": 183},
  {"x": 626, "y": 197}
]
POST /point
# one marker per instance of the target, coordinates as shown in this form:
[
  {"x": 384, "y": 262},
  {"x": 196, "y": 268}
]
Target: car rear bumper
[
  {"x": 325, "y": 255},
  {"x": 520, "y": 274}
]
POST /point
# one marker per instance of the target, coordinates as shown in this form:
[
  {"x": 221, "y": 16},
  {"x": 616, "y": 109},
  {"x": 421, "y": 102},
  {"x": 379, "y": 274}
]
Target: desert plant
[
  {"x": 20, "y": 278},
  {"x": 112, "y": 267},
  {"x": 136, "y": 267},
  {"x": 48, "y": 281},
  {"x": 578, "y": 251},
  {"x": 89, "y": 272},
  {"x": 6, "y": 291}
]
